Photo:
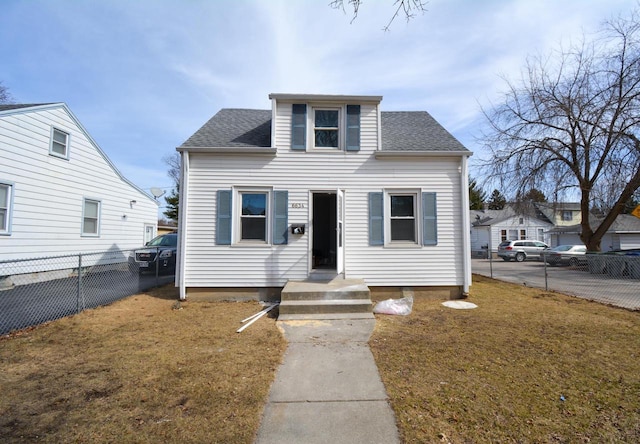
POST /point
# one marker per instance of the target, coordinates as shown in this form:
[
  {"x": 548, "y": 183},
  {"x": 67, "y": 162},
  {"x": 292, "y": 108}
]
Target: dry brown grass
[
  {"x": 497, "y": 373},
  {"x": 140, "y": 371}
]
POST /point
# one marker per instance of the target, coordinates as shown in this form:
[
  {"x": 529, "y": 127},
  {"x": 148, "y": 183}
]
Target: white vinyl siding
[
  {"x": 212, "y": 265},
  {"x": 47, "y": 202}
]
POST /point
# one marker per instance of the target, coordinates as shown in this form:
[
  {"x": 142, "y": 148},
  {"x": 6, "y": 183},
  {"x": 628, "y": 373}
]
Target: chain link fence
[
  {"x": 34, "y": 291},
  {"x": 609, "y": 278}
]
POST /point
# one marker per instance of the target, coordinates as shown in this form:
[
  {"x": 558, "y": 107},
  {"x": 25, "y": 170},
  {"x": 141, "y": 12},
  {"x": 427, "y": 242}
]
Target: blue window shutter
[
  {"x": 429, "y": 219},
  {"x": 223, "y": 218},
  {"x": 299, "y": 126},
  {"x": 353, "y": 127},
  {"x": 280, "y": 217},
  {"x": 376, "y": 219}
]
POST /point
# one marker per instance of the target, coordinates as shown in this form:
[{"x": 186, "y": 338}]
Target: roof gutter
[
  {"x": 264, "y": 151},
  {"x": 413, "y": 154}
]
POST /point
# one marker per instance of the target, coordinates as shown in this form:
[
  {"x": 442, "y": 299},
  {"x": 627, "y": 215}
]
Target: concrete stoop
[{"x": 336, "y": 299}]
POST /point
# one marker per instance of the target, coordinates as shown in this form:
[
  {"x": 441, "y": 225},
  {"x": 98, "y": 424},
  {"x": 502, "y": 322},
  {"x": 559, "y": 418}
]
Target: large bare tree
[{"x": 571, "y": 126}]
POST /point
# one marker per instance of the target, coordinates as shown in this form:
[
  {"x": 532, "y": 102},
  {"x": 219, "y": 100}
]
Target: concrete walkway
[{"x": 328, "y": 388}]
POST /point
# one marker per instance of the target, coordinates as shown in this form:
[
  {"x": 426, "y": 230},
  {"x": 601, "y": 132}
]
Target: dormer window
[
  {"x": 326, "y": 128},
  {"x": 567, "y": 215}
]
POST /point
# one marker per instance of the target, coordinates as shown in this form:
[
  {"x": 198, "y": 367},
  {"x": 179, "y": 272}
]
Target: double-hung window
[
  {"x": 402, "y": 221},
  {"x": 403, "y": 218},
  {"x": 253, "y": 217},
  {"x": 567, "y": 215},
  {"x": 59, "y": 143},
  {"x": 326, "y": 127},
  {"x": 5, "y": 207},
  {"x": 91, "y": 217}
]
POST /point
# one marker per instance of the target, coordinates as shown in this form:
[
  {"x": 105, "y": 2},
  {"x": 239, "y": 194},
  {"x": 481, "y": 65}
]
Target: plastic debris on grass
[{"x": 401, "y": 306}]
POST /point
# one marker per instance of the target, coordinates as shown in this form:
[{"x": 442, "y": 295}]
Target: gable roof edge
[{"x": 66, "y": 109}]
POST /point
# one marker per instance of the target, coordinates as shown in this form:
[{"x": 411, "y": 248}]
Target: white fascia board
[
  {"x": 266, "y": 151},
  {"x": 409, "y": 154},
  {"x": 325, "y": 98}
]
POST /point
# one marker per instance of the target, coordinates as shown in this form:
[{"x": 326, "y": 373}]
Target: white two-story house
[{"x": 321, "y": 187}]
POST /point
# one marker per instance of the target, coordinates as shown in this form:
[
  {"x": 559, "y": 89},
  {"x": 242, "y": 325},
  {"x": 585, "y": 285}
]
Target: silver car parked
[{"x": 521, "y": 250}]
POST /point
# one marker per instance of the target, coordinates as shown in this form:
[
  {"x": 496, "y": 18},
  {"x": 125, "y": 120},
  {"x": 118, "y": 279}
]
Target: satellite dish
[{"x": 157, "y": 192}]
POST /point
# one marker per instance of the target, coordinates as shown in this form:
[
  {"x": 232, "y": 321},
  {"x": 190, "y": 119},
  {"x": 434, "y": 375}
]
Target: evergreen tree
[
  {"x": 476, "y": 196},
  {"x": 497, "y": 201},
  {"x": 172, "y": 201}
]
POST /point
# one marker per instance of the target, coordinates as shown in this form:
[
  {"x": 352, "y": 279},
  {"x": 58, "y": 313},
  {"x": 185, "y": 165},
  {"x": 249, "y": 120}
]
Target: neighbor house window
[
  {"x": 503, "y": 235},
  {"x": 59, "y": 143},
  {"x": 403, "y": 217},
  {"x": 326, "y": 128},
  {"x": 91, "y": 217},
  {"x": 523, "y": 234},
  {"x": 5, "y": 207},
  {"x": 513, "y": 234},
  {"x": 567, "y": 215},
  {"x": 541, "y": 234},
  {"x": 253, "y": 217}
]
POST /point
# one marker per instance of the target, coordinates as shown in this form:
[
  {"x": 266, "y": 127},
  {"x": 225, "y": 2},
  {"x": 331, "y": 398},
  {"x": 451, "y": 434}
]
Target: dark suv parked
[{"x": 159, "y": 252}]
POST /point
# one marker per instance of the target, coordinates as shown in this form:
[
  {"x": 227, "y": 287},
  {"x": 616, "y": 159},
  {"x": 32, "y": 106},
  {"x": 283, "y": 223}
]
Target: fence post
[
  {"x": 157, "y": 264},
  {"x": 80, "y": 306},
  {"x": 490, "y": 262},
  {"x": 544, "y": 259}
]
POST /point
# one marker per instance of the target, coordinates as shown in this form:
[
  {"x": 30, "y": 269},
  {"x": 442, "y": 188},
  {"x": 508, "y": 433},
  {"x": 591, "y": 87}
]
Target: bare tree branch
[{"x": 408, "y": 8}]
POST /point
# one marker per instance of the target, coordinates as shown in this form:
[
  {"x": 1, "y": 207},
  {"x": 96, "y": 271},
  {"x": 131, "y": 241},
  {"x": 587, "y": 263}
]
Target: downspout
[
  {"x": 466, "y": 226},
  {"x": 182, "y": 225}
]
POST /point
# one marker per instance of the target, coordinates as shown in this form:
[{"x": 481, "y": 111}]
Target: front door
[{"x": 323, "y": 245}]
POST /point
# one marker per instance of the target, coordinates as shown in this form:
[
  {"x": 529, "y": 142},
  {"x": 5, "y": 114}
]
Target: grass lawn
[
  {"x": 140, "y": 371},
  {"x": 526, "y": 366}
]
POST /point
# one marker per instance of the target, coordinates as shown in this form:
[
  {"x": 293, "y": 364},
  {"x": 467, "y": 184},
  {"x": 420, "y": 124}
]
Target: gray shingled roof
[
  {"x": 401, "y": 131},
  {"x": 234, "y": 128},
  {"x": 623, "y": 223},
  {"x": 415, "y": 131},
  {"x": 8, "y": 107}
]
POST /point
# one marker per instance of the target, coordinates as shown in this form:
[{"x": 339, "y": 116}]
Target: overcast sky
[{"x": 143, "y": 75}]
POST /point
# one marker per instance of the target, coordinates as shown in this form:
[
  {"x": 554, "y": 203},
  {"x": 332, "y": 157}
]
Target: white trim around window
[
  {"x": 402, "y": 210},
  {"x": 6, "y": 208},
  {"x": 59, "y": 143},
  {"x": 91, "y": 209},
  {"x": 252, "y": 216}
]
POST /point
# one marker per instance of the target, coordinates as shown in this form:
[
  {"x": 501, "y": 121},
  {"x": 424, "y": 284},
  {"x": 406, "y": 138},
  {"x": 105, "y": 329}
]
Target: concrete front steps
[{"x": 335, "y": 299}]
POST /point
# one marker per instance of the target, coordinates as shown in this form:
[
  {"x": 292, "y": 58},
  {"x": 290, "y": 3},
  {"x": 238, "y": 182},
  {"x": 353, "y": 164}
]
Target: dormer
[{"x": 325, "y": 123}]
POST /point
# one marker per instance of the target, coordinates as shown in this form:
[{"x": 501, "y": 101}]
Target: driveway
[{"x": 577, "y": 281}]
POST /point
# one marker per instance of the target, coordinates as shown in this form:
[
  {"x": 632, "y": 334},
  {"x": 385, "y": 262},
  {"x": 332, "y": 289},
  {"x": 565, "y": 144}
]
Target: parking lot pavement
[{"x": 576, "y": 281}]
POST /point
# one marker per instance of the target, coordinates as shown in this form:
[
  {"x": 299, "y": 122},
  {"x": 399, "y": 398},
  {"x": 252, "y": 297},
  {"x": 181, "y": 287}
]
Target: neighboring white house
[
  {"x": 490, "y": 227},
  {"x": 59, "y": 193},
  {"x": 323, "y": 186}
]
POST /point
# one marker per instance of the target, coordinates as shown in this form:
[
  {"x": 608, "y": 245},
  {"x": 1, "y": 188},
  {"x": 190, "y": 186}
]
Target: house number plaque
[{"x": 297, "y": 205}]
